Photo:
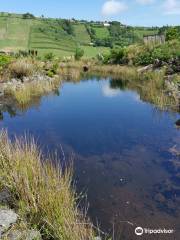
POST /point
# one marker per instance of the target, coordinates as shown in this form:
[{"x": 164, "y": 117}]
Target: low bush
[
  {"x": 79, "y": 53},
  {"x": 143, "y": 54},
  {"x": 49, "y": 56},
  {"x": 4, "y": 61}
]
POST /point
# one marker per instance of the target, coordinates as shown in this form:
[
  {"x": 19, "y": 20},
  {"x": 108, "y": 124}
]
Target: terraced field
[
  {"x": 81, "y": 34},
  {"x": 46, "y": 40},
  {"x": 14, "y": 33}
]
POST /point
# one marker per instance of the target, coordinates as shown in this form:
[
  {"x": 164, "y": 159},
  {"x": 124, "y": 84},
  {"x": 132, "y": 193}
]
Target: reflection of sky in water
[
  {"x": 109, "y": 92},
  {"x": 120, "y": 147}
]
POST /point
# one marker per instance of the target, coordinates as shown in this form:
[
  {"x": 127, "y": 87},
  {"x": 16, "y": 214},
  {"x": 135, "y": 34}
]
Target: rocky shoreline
[
  {"x": 17, "y": 83},
  {"x": 11, "y": 226}
]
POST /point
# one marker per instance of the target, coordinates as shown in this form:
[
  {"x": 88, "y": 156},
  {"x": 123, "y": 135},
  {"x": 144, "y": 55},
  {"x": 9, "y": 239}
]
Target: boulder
[
  {"x": 7, "y": 218},
  {"x": 146, "y": 68}
]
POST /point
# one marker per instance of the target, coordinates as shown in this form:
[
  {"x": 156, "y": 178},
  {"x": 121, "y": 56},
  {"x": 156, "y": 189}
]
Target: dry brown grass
[
  {"x": 43, "y": 194},
  {"x": 21, "y": 68}
]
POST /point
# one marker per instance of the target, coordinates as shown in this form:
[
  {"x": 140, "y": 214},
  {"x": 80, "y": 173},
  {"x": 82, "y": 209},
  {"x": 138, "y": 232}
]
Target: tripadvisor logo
[{"x": 139, "y": 231}]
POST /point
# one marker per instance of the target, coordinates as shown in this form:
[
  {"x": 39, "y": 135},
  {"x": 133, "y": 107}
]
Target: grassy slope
[
  {"x": 23, "y": 34},
  {"x": 101, "y": 32},
  {"x": 14, "y": 33},
  {"x": 81, "y": 34},
  {"x": 93, "y": 51},
  {"x": 141, "y": 32},
  {"x": 48, "y": 41}
]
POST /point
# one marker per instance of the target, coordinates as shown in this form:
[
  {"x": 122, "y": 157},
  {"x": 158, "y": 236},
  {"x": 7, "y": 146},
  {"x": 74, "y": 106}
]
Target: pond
[{"x": 120, "y": 147}]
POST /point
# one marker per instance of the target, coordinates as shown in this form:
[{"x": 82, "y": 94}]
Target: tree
[
  {"x": 28, "y": 16},
  {"x": 79, "y": 53},
  {"x": 172, "y": 33}
]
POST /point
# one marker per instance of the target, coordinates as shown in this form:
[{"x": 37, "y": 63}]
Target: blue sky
[{"x": 133, "y": 12}]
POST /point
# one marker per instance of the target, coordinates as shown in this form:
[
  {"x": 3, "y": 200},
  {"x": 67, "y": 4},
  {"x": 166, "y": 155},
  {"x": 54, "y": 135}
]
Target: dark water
[{"x": 120, "y": 147}]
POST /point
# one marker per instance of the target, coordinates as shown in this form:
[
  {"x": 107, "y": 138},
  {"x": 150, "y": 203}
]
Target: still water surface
[{"x": 120, "y": 148}]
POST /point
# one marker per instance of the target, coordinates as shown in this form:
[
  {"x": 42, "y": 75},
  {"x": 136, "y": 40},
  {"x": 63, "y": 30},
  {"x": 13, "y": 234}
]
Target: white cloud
[
  {"x": 144, "y": 2},
  {"x": 109, "y": 92},
  {"x": 113, "y": 7},
  {"x": 172, "y": 7}
]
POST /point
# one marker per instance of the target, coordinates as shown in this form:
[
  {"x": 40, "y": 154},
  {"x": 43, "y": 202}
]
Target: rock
[
  {"x": 160, "y": 198},
  {"x": 146, "y": 68},
  {"x": 5, "y": 197},
  {"x": 7, "y": 218},
  {"x": 25, "y": 235},
  {"x": 177, "y": 123}
]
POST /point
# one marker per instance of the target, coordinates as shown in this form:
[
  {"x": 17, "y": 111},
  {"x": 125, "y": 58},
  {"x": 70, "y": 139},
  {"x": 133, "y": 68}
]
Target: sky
[{"x": 130, "y": 12}]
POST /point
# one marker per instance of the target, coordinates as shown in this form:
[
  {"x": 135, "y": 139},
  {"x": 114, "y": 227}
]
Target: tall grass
[
  {"x": 25, "y": 94},
  {"x": 21, "y": 68},
  {"x": 116, "y": 71},
  {"x": 43, "y": 194}
]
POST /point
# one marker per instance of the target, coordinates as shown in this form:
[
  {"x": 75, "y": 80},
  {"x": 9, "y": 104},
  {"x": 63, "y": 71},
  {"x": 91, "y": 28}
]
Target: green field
[
  {"x": 52, "y": 35},
  {"x": 101, "y": 32},
  {"x": 94, "y": 51},
  {"x": 141, "y": 32},
  {"x": 81, "y": 34},
  {"x": 44, "y": 40},
  {"x": 14, "y": 33}
]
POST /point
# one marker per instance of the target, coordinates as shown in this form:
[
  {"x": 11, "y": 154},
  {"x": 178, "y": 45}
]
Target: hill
[{"x": 62, "y": 37}]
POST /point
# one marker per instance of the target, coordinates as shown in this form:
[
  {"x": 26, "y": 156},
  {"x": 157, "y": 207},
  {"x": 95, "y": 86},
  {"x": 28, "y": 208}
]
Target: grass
[
  {"x": 14, "y": 33},
  {"x": 21, "y": 68},
  {"x": 92, "y": 52},
  {"x": 31, "y": 90},
  {"x": 42, "y": 192},
  {"x": 117, "y": 71},
  {"x": 101, "y": 32},
  {"x": 81, "y": 34}
]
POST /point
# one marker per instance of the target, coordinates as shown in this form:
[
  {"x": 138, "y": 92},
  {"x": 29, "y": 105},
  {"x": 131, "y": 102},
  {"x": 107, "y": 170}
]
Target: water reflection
[{"x": 120, "y": 146}]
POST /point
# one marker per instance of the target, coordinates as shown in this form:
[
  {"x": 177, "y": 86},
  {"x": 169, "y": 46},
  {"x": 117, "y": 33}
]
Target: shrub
[
  {"x": 79, "y": 53},
  {"x": 172, "y": 33},
  {"x": 116, "y": 56},
  {"x": 21, "y": 68},
  {"x": 4, "y": 60},
  {"x": 49, "y": 56}
]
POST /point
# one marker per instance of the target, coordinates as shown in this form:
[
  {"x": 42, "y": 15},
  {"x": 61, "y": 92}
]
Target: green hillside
[
  {"x": 62, "y": 37},
  {"x": 101, "y": 32},
  {"x": 14, "y": 33},
  {"x": 81, "y": 34}
]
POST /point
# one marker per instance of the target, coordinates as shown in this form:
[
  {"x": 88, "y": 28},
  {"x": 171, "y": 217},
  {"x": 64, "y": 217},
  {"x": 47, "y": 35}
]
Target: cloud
[
  {"x": 172, "y": 7},
  {"x": 144, "y": 2},
  {"x": 113, "y": 7},
  {"x": 109, "y": 92}
]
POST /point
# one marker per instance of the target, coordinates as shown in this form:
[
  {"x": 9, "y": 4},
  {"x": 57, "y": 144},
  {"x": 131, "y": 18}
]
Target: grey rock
[
  {"x": 25, "y": 235},
  {"x": 146, "y": 68},
  {"x": 7, "y": 218},
  {"x": 5, "y": 197}
]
